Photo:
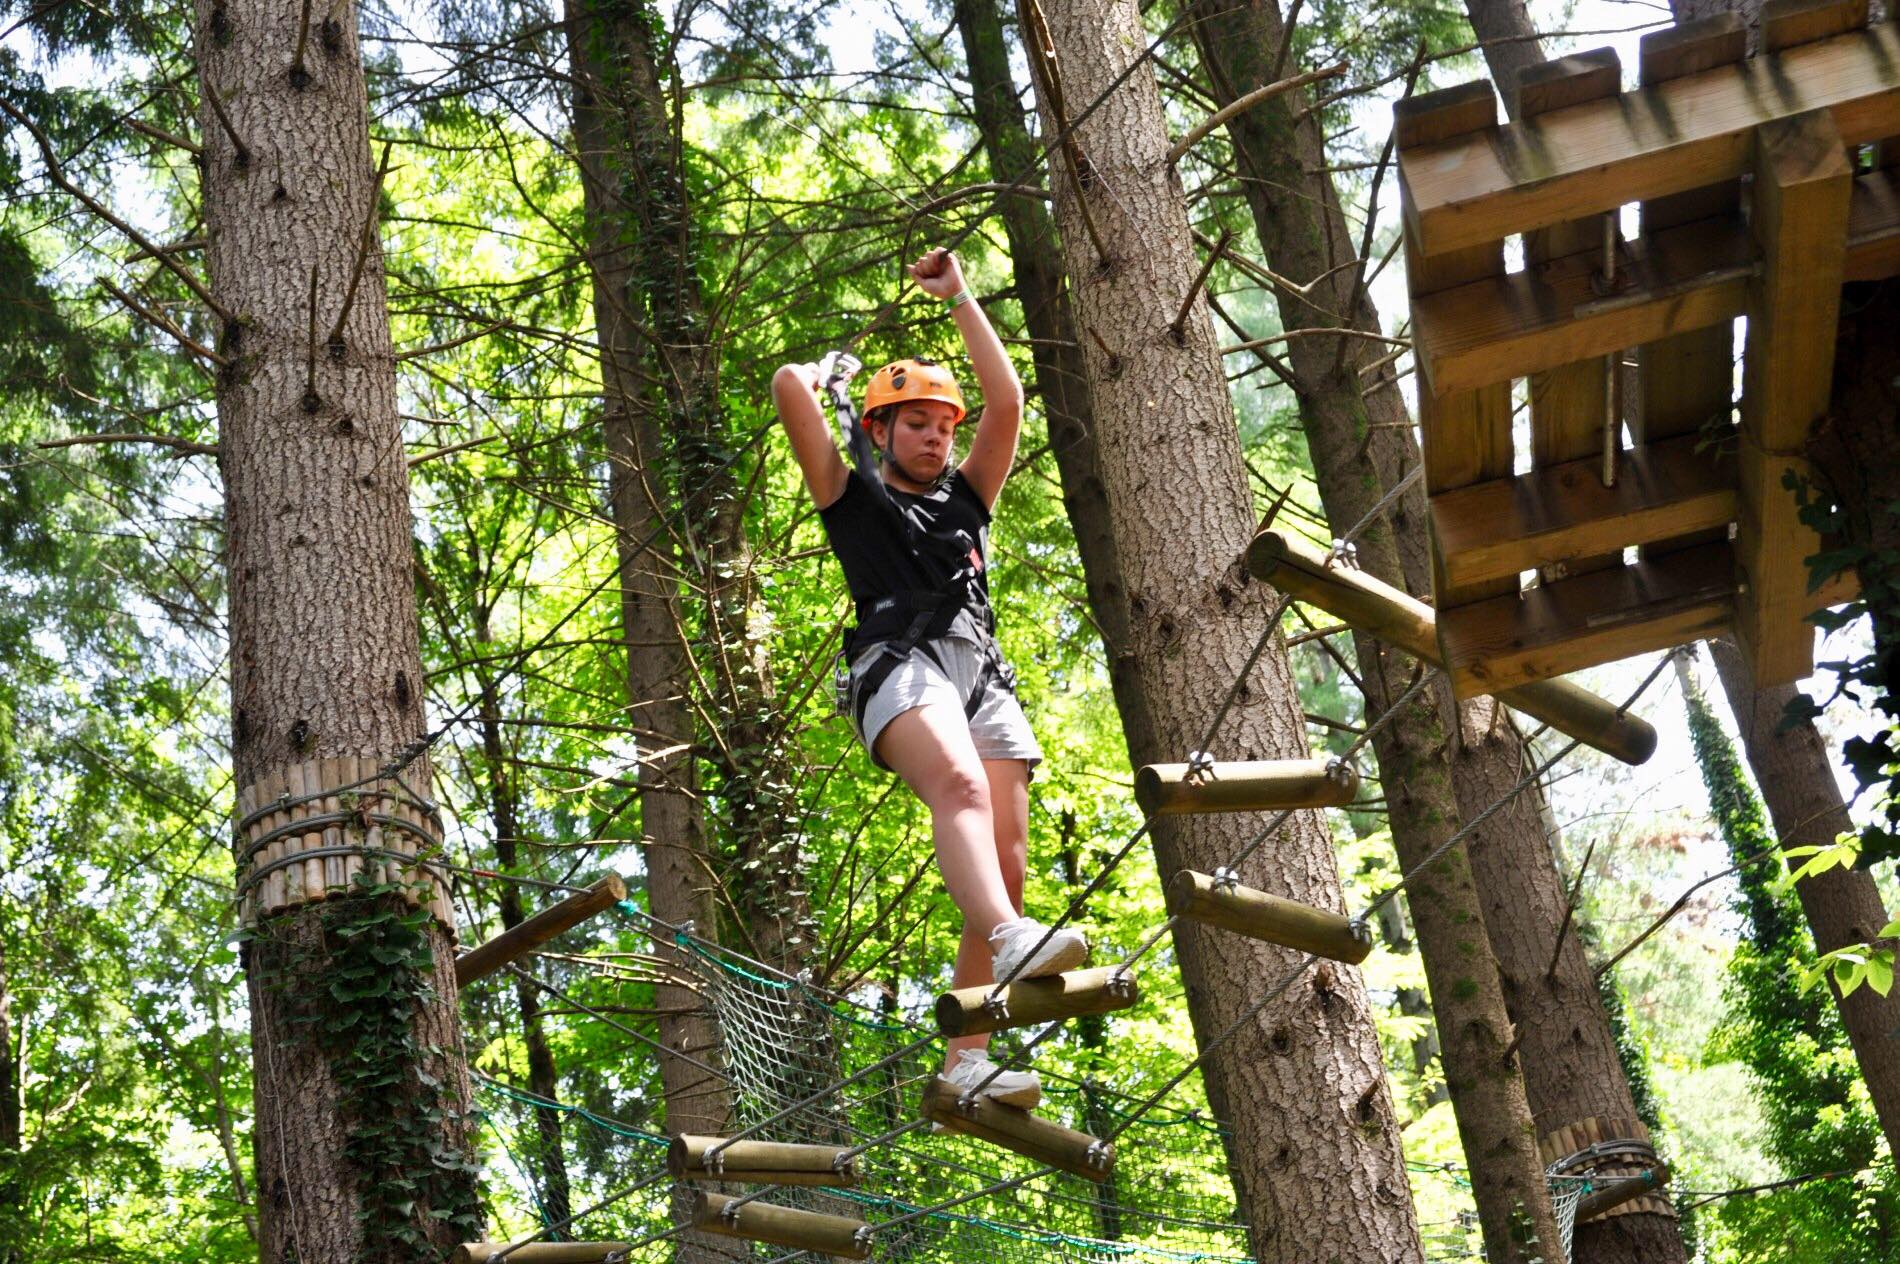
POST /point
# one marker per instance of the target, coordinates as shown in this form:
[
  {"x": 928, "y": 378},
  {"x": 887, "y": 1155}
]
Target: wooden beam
[
  {"x": 781, "y": 1226},
  {"x": 1681, "y": 135},
  {"x": 1686, "y": 381},
  {"x": 1294, "y": 566},
  {"x": 968, "y": 1011},
  {"x": 753, "y": 1162},
  {"x": 1041, "y": 1140},
  {"x": 1564, "y": 511},
  {"x": 485, "y": 959},
  {"x": 1786, "y": 23},
  {"x": 1245, "y": 786},
  {"x": 1465, "y": 436},
  {"x": 1616, "y": 1193},
  {"x": 1802, "y": 186},
  {"x": 1683, "y": 278},
  {"x": 1569, "y": 402},
  {"x": 1264, "y": 916},
  {"x": 1873, "y": 226},
  {"x": 1589, "y": 619}
]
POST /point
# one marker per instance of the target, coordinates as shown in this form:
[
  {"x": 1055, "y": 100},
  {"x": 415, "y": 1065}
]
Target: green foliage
[
  {"x": 355, "y": 996},
  {"x": 1814, "y": 1105}
]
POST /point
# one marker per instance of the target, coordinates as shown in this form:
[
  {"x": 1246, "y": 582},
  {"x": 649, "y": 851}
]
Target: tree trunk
[
  {"x": 1300, "y": 1080},
  {"x": 1359, "y": 436},
  {"x": 12, "y": 1212},
  {"x": 1036, "y": 263},
  {"x": 547, "y": 1160},
  {"x": 324, "y": 638},
  {"x": 1843, "y": 906},
  {"x": 1510, "y": 43},
  {"x": 679, "y": 873},
  {"x": 630, "y": 134}
]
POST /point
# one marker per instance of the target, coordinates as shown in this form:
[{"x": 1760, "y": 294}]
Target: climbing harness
[{"x": 904, "y": 622}]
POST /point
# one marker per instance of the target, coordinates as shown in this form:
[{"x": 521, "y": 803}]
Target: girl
[{"x": 931, "y": 697}]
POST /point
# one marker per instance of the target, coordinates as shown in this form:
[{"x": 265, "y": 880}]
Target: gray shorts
[{"x": 998, "y": 727}]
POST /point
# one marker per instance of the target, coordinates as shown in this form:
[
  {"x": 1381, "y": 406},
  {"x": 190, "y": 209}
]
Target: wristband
[{"x": 961, "y": 297}]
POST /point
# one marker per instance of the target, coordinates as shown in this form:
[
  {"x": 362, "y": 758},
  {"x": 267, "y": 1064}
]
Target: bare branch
[
  {"x": 184, "y": 447},
  {"x": 1242, "y": 103}
]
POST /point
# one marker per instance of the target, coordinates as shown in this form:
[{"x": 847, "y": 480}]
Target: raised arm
[
  {"x": 795, "y": 395},
  {"x": 993, "y": 450}
]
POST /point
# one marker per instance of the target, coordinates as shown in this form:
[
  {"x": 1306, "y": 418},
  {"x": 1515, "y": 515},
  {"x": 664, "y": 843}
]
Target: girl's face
[{"x": 921, "y": 438}]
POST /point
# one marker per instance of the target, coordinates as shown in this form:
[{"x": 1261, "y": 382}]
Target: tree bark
[
  {"x": 1509, "y": 42},
  {"x": 1036, "y": 264},
  {"x": 324, "y": 636},
  {"x": 12, "y": 1212},
  {"x": 1360, "y": 440},
  {"x": 1300, "y": 1080},
  {"x": 1843, "y": 906},
  {"x": 680, "y": 881}
]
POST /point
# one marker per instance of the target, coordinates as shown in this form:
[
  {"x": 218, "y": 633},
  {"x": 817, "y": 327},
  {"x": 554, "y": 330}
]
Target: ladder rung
[
  {"x": 1260, "y": 915},
  {"x": 782, "y": 1226},
  {"x": 752, "y": 1161},
  {"x": 967, "y": 1011},
  {"x": 1246, "y": 786},
  {"x": 536, "y": 1252},
  {"x": 1039, "y": 1139}
]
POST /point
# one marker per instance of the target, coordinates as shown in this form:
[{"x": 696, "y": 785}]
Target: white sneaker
[
  {"x": 1016, "y": 939},
  {"x": 1022, "y": 1089}
]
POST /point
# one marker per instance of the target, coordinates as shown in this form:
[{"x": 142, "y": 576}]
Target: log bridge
[{"x": 1652, "y": 507}]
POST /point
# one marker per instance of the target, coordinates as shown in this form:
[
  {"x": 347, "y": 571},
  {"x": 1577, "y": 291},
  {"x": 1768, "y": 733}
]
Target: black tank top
[{"x": 878, "y": 559}]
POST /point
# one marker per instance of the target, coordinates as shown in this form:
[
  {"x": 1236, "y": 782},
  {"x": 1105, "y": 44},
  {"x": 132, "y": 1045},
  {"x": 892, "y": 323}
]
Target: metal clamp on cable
[
  {"x": 1200, "y": 767},
  {"x": 996, "y": 1005},
  {"x": 1121, "y": 984},
  {"x": 1225, "y": 879},
  {"x": 1097, "y": 1155}
]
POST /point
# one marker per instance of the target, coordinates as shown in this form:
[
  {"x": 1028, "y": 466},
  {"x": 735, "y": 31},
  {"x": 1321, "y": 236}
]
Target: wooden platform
[{"x": 1652, "y": 506}]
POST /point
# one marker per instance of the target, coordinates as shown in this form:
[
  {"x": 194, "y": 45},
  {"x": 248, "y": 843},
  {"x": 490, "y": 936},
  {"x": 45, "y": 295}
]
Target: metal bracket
[
  {"x": 730, "y": 1214},
  {"x": 1200, "y": 767},
  {"x": 1121, "y": 984},
  {"x": 861, "y": 1236},
  {"x": 996, "y": 1005},
  {"x": 1096, "y": 1156},
  {"x": 1225, "y": 879}
]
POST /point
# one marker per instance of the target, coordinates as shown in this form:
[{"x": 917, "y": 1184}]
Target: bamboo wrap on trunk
[
  {"x": 357, "y": 826},
  {"x": 1572, "y": 1138}
]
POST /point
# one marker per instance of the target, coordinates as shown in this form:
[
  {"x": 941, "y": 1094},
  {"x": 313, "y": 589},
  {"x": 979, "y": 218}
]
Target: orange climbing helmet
[{"x": 905, "y": 380}]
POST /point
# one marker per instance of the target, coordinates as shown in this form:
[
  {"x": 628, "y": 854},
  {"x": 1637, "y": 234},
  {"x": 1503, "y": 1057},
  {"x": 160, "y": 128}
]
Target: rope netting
[{"x": 785, "y": 1048}]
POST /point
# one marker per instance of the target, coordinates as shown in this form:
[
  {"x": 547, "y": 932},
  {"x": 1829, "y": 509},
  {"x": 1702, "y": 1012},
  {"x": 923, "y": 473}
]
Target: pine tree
[
  {"x": 1302, "y": 1081},
  {"x": 362, "y": 1126}
]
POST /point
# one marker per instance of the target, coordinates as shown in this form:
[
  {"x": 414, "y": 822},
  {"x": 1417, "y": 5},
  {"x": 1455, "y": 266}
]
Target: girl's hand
[{"x": 938, "y": 274}]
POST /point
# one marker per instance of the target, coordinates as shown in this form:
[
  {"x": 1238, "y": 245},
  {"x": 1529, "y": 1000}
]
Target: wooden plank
[
  {"x": 1465, "y": 436},
  {"x": 1873, "y": 226},
  {"x": 1588, "y": 619},
  {"x": 1488, "y": 331},
  {"x": 1294, "y": 566},
  {"x": 1786, "y": 23},
  {"x": 1802, "y": 186},
  {"x": 1564, "y": 511},
  {"x": 1245, "y": 786},
  {"x": 1267, "y": 917},
  {"x": 1570, "y": 402},
  {"x": 485, "y": 959},
  {"x": 1670, "y": 138},
  {"x": 1686, "y": 382},
  {"x": 1684, "y": 278}
]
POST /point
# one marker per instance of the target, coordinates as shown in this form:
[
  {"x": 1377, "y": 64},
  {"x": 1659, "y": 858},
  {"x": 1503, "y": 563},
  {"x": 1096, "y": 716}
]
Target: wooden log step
[
  {"x": 760, "y": 1162},
  {"x": 1245, "y": 786},
  {"x": 1603, "y": 1200},
  {"x": 1589, "y": 619},
  {"x": 1678, "y": 279},
  {"x": 485, "y": 959},
  {"x": 538, "y": 1252},
  {"x": 1563, "y": 511},
  {"x": 1663, "y": 139},
  {"x": 1103, "y": 990},
  {"x": 782, "y": 1226},
  {"x": 1265, "y": 916},
  {"x": 1039, "y": 1139},
  {"x": 1294, "y": 566}
]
